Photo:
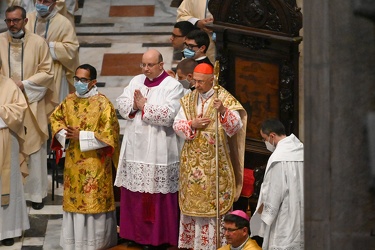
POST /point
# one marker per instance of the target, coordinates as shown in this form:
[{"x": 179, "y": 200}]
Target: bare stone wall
[{"x": 339, "y": 87}]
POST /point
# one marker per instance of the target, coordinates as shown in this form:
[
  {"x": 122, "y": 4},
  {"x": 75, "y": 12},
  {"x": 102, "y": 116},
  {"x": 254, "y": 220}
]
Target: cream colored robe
[
  {"x": 28, "y": 5},
  {"x": 192, "y": 11},
  {"x": 65, "y": 46},
  {"x": 67, "y": 9},
  {"x": 12, "y": 110},
  {"x": 37, "y": 68}
]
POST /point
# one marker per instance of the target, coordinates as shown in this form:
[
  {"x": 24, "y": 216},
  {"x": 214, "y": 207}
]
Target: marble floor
[{"x": 113, "y": 34}]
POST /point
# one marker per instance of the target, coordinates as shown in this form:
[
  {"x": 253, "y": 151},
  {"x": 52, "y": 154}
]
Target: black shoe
[
  {"x": 131, "y": 243},
  {"x": 148, "y": 247},
  {"x": 8, "y": 242},
  {"x": 37, "y": 205}
]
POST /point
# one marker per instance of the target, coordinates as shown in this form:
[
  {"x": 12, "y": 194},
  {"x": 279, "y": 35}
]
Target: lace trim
[
  {"x": 231, "y": 123},
  {"x": 148, "y": 178},
  {"x": 82, "y": 244},
  {"x": 183, "y": 127},
  {"x": 158, "y": 115},
  {"x": 199, "y": 233},
  {"x": 124, "y": 107},
  {"x": 270, "y": 210}
]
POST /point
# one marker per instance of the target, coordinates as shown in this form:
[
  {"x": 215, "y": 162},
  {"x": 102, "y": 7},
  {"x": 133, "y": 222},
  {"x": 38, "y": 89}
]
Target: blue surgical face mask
[
  {"x": 81, "y": 88},
  {"x": 188, "y": 53},
  {"x": 42, "y": 9}
]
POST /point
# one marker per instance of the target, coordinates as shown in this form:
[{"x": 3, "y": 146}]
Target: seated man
[{"x": 236, "y": 230}]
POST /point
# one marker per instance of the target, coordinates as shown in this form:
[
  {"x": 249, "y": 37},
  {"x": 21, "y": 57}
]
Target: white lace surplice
[{"x": 149, "y": 157}]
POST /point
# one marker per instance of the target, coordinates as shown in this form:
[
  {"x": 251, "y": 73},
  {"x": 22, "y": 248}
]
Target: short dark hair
[
  {"x": 90, "y": 69},
  {"x": 16, "y": 7},
  {"x": 238, "y": 221},
  {"x": 200, "y": 37},
  {"x": 185, "y": 27},
  {"x": 160, "y": 58},
  {"x": 273, "y": 125},
  {"x": 187, "y": 66}
]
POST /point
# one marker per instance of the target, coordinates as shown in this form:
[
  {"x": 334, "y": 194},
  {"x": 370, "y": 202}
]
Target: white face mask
[
  {"x": 18, "y": 34},
  {"x": 269, "y": 146}
]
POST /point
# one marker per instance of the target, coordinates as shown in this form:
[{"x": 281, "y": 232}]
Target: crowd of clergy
[{"x": 179, "y": 125}]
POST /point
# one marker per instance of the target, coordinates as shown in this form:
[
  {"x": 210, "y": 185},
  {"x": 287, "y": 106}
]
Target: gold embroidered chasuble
[
  {"x": 197, "y": 180},
  {"x": 88, "y": 183},
  {"x": 34, "y": 64},
  {"x": 60, "y": 31},
  {"x": 12, "y": 109}
]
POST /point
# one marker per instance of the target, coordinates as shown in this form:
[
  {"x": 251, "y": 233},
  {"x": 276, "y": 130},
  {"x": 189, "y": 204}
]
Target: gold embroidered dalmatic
[
  {"x": 88, "y": 183},
  {"x": 197, "y": 190}
]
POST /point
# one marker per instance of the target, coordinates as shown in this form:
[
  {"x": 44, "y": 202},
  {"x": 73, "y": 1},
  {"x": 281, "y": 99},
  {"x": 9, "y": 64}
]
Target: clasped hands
[
  {"x": 139, "y": 100},
  {"x": 203, "y": 122},
  {"x": 72, "y": 133}
]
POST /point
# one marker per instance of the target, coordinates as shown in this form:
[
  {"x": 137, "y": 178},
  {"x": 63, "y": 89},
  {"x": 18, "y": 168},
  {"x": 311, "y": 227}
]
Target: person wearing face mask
[
  {"x": 196, "y": 12},
  {"x": 279, "y": 215},
  {"x": 63, "y": 43},
  {"x": 185, "y": 70},
  {"x": 27, "y": 61},
  {"x": 195, "y": 123},
  {"x": 88, "y": 120},
  {"x": 196, "y": 44},
  {"x": 64, "y": 7}
]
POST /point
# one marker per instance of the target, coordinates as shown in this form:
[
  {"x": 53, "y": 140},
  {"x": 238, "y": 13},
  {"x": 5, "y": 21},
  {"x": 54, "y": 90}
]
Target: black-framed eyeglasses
[
  {"x": 191, "y": 46},
  {"x": 174, "y": 35},
  {"x": 148, "y": 65},
  {"x": 83, "y": 80},
  {"x": 231, "y": 230},
  {"x": 15, "y": 20}
]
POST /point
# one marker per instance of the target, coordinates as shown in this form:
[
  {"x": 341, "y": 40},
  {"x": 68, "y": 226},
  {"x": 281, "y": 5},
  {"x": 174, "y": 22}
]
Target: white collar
[
  {"x": 207, "y": 94},
  {"x": 241, "y": 246},
  {"x": 93, "y": 91}
]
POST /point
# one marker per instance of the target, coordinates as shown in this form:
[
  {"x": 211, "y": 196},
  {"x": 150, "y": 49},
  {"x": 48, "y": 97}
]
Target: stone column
[{"x": 339, "y": 87}]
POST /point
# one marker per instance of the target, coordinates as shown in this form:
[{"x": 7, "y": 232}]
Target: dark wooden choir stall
[{"x": 257, "y": 48}]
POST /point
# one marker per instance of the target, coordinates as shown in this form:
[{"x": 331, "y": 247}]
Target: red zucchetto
[{"x": 204, "y": 68}]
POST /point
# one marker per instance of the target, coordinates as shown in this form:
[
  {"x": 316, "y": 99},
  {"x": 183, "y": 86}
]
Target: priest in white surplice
[
  {"x": 26, "y": 59},
  {"x": 149, "y": 158},
  {"x": 279, "y": 216}
]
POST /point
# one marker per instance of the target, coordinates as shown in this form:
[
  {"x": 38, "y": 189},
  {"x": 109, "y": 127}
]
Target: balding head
[{"x": 152, "y": 63}]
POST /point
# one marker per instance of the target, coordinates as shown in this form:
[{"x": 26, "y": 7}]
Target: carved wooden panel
[
  {"x": 257, "y": 88},
  {"x": 257, "y": 48},
  {"x": 279, "y": 16}
]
